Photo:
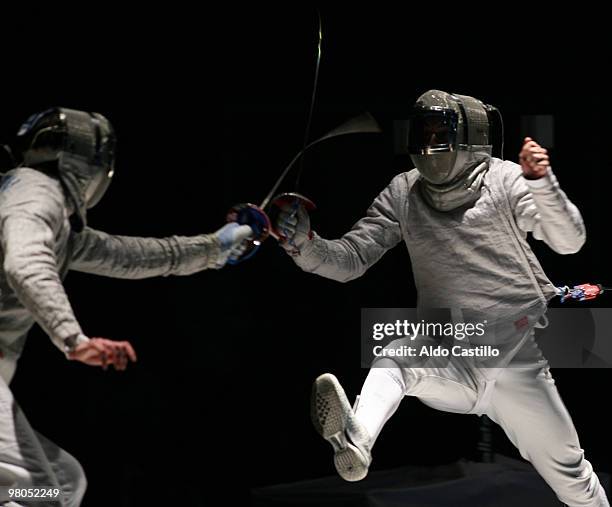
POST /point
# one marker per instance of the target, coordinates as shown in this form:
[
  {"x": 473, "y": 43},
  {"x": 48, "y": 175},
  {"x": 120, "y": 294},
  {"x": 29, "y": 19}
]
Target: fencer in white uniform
[
  {"x": 68, "y": 160},
  {"x": 464, "y": 217}
]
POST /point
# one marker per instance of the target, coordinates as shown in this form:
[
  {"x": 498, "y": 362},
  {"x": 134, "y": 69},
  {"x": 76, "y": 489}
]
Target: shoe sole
[{"x": 329, "y": 412}]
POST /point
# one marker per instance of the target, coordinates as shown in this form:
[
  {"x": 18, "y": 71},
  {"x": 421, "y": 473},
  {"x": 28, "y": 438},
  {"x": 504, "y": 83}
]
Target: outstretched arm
[{"x": 132, "y": 257}]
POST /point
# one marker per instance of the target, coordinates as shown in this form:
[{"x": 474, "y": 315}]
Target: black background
[{"x": 209, "y": 106}]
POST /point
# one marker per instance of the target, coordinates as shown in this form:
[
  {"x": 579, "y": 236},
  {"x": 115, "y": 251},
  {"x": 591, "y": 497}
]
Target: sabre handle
[
  {"x": 292, "y": 199},
  {"x": 253, "y": 216},
  {"x": 293, "y": 224}
]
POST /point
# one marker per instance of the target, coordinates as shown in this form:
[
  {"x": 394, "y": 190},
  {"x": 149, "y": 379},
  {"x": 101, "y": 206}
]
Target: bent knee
[
  {"x": 571, "y": 476},
  {"x": 388, "y": 368}
]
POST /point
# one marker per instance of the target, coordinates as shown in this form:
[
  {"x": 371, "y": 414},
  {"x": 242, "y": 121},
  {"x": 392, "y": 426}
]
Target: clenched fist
[{"x": 533, "y": 159}]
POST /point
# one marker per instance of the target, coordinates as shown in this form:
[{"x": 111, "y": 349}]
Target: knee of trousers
[
  {"x": 583, "y": 492},
  {"x": 579, "y": 485},
  {"x": 571, "y": 476},
  {"x": 403, "y": 377}
]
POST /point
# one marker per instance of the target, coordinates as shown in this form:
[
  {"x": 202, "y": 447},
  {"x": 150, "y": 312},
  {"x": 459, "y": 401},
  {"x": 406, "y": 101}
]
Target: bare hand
[
  {"x": 103, "y": 352},
  {"x": 533, "y": 159}
]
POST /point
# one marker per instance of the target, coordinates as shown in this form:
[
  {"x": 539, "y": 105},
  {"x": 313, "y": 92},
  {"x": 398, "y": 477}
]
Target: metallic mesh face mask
[
  {"x": 449, "y": 139},
  {"x": 80, "y": 145},
  {"x": 441, "y": 125}
]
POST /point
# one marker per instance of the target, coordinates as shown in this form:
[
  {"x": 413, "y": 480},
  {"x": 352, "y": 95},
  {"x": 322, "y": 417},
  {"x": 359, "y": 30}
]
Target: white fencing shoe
[{"x": 335, "y": 421}]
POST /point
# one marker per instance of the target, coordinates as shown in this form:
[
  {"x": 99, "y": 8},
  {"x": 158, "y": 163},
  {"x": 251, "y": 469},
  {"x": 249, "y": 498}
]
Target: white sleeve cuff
[
  {"x": 71, "y": 343},
  {"x": 545, "y": 181}
]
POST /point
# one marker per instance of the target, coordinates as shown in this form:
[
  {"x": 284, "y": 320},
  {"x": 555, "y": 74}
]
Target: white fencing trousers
[
  {"x": 523, "y": 401},
  {"x": 380, "y": 396},
  {"x": 28, "y": 459}
]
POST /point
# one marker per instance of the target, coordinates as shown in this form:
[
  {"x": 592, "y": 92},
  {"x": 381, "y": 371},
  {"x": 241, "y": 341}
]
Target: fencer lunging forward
[
  {"x": 67, "y": 163},
  {"x": 464, "y": 216}
]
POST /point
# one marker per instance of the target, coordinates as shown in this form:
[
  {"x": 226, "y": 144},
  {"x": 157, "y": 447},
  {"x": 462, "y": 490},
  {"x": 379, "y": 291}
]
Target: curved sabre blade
[{"x": 362, "y": 124}]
